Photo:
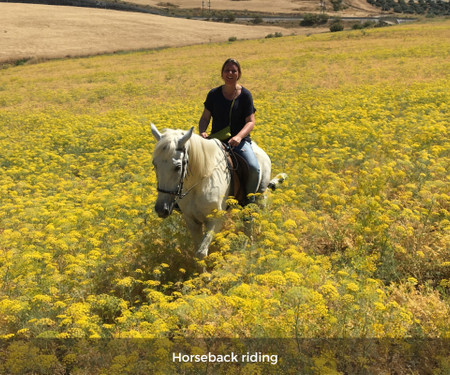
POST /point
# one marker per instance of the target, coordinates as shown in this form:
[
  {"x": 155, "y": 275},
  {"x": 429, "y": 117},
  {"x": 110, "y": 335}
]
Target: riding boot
[{"x": 251, "y": 198}]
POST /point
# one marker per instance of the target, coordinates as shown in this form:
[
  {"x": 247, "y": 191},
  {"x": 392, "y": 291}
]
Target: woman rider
[{"x": 231, "y": 108}]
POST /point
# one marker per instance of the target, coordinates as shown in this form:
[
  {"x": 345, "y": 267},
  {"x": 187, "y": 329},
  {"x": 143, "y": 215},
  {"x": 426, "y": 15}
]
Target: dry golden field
[{"x": 43, "y": 31}]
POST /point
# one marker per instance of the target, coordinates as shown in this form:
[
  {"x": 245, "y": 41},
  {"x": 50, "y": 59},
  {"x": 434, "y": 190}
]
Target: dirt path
[{"x": 29, "y": 31}]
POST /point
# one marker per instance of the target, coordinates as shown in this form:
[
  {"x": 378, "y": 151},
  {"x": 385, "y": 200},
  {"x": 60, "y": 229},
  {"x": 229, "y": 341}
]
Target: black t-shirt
[{"x": 219, "y": 107}]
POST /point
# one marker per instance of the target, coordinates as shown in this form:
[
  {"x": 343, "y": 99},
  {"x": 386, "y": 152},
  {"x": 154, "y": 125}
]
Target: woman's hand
[
  {"x": 235, "y": 141},
  {"x": 248, "y": 127},
  {"x": 204, "y": 135}
]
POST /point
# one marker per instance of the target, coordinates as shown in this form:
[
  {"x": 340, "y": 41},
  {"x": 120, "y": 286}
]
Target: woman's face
[{"x": 230, "y": 73}]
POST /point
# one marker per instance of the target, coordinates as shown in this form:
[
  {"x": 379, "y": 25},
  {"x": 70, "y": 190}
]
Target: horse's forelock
[{"x": 168, "y": 142}]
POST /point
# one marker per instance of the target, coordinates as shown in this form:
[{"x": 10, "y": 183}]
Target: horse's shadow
[
  {"x": 169, "y": 249},
  {"x": 166, "y": 254},
  {"x": 162, "y": 259}
]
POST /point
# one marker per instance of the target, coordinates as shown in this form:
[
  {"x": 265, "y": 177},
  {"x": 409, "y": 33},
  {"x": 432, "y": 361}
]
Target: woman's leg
[{"x": 246, "y": 151}]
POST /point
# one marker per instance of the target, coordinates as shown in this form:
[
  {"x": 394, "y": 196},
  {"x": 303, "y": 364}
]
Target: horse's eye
[{"x": 177, "y": 168}]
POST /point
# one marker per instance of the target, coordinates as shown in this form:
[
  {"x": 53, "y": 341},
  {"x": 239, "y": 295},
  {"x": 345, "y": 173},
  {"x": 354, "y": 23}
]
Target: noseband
[{"x": 178, "y": 192}]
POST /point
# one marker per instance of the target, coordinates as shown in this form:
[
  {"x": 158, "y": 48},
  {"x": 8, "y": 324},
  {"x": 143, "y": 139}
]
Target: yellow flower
[
  {"x": 290, "y": 224},
  {"x": 420, "y": 254}
]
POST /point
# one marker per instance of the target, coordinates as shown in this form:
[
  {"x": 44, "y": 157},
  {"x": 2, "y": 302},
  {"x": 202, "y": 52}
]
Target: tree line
[{"x": 428, "y": 7}]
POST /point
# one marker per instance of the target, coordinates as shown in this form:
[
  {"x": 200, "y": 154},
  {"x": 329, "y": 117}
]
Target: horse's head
[{"x": 170, "y": 159}]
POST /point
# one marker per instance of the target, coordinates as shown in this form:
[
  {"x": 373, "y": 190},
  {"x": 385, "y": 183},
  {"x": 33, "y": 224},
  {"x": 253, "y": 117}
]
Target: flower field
[{"x": 353, "y": 246}]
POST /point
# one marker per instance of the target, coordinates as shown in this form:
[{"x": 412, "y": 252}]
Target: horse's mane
[
  {"x": 200, "y": 151},
  {"x": 202, "y": 158}
]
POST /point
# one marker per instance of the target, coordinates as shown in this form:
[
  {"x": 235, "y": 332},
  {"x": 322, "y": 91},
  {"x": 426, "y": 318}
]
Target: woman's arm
[
  {"x": 248, "y": 127},
  {"x": 204, "y": 122}
]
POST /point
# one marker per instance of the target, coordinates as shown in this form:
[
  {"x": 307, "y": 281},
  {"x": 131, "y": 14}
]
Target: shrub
[
  {"x": 336, "y": 25},
  {"x": 229, "y": 17},
  {"x": 276, "y": 35},
  {"x": 365, "y": 25},
  {"x": 310, "y": 19},
  {"x": 257, "y": 20},
  {"x": 369, "y": 24},
  {"x": 337, "y": 5}
]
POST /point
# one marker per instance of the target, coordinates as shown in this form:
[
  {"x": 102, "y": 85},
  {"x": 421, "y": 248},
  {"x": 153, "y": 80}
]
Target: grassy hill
[{"x": 353, "y": 249}]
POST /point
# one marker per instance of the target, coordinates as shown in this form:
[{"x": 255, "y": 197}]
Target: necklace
[{"x": 228, "y": 96}]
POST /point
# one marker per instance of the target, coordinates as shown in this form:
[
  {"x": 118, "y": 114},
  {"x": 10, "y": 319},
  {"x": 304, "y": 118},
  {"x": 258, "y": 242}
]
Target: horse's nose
[{"x": 163, "y": 210}]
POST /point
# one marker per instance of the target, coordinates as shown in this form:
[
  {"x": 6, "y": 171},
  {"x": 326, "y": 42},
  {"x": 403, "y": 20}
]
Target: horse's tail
[{"x": 277, "y": 181}]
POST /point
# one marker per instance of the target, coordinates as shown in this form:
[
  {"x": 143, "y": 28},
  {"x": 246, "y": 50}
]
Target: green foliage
[
  {"x": 313, "y": 19},
  {"x": 364, "y": 25},
  {"x": 257, "y": 20},
  {"x": 336, "y": 25},
  {"x": 229, "y": 17},
  {"x": 276, "y": 35},
  {"x": 337, "y": 5},
  {"x": 429, "y": 7}
]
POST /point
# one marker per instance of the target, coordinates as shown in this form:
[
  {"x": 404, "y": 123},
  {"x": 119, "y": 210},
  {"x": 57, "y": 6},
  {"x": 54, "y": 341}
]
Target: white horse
[{"x": 193, "y": 172}]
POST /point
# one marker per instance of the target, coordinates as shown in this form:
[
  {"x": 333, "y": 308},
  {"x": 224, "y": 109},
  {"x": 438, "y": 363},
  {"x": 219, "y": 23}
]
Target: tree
[{"x": 337, "y": 5}]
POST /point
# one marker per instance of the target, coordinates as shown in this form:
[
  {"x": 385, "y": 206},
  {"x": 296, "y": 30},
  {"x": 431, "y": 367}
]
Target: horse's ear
[
  {"x": 185, "y": 138},
  {"x": 155, "y": 132}
]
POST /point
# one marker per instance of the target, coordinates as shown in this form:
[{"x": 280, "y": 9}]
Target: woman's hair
[{"x": 233, "y": 61}]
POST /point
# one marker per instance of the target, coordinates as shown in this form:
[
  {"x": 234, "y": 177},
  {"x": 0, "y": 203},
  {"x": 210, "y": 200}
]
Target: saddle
[{"x": 238, "y": 167}]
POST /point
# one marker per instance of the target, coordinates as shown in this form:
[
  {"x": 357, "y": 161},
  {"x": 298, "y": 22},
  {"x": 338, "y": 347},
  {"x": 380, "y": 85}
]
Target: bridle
[{"x": 178, "y": 192}]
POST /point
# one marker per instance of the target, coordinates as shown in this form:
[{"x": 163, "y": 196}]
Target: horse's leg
[
  {"x": 196, "y": 230},
  {"x": 279, "y": 179},
  {"x": 211, "y": 228}
]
